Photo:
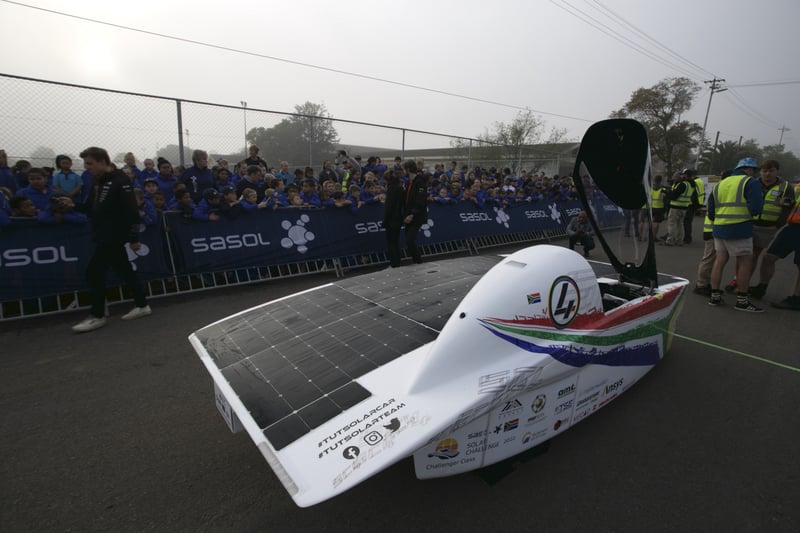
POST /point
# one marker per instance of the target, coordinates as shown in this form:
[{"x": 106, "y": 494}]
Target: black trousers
[
  {"x": 115, "y": 257},
  {"x": 412, "y": 230},
  {"x": 393, "y": 246}
]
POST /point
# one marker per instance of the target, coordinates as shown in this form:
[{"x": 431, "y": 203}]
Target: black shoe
[
  {"x": 715, "y": 302},
  {"x": 702, "y": 291},
  {"x": 747, "y": 307},
  {"x": 790, "y": 302},
  {"x": 758, "y": 291}
]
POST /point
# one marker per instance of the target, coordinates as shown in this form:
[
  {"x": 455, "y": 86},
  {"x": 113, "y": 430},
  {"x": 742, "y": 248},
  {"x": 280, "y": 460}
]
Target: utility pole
[
  {"x": 782, "y": 129},
  {"x": 716, "y": 87}
]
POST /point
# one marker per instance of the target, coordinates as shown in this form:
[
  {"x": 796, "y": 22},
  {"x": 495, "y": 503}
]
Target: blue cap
[{"x": 745, "y": 162}]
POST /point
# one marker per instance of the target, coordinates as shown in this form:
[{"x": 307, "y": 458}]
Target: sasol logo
[
  {"x": 42, "y": 255},
  {"x": 474, "y": 217},
  {"x": 229, "y": 242},
  {"x": 536, "y": 214},
  {"x": 612, "y": 387},
  {"x": 609, "y": 207},
  {"x": 369, "y": 227},
  {"x": 566, "y": 391},
  {"x": 573, "y": 211}
]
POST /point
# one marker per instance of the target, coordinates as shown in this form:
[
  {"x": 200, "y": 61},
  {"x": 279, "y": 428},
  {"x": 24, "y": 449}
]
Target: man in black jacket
[
  {"x": 393, "y": 215},
  {"x": 112, "y": 209},
  {"x": 416, "y": 211}
]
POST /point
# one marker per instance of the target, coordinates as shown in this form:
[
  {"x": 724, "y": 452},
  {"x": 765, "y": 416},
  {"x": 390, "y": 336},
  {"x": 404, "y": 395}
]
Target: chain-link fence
[{"x": 42, "y": 119}]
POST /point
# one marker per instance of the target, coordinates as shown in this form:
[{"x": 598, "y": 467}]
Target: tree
[
  {"x": 660, "y": 108},
  {"x": 306, "y": 137},
  {"x": 171, "y": 153},
  {"x": 509, "y": 143},
  {"x": 43, "y": 157}
]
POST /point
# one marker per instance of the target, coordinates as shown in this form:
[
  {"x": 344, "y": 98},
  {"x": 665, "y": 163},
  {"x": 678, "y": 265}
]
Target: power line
[
  {"x": 293, "y": 62},
  {"x": 765, "y": 83},
  {"x": 743, "y": 106},
  {"x": 604, "y": 28},
  {"x": 643, "y": 34}
]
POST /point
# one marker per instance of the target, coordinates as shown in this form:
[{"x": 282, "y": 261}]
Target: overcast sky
[{"x": 527, "y": 53}]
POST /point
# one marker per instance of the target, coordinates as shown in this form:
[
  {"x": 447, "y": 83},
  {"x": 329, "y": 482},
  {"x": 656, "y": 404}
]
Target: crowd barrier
[{"x": 48, "y": 260}]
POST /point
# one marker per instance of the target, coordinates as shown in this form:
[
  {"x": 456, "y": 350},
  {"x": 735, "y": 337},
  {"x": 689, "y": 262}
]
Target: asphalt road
[{"x": 116, "y": 430}]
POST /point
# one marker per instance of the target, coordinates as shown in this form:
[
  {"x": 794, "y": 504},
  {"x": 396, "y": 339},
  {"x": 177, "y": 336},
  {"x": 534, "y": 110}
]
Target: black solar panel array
[{"x": 293, "y": 362}]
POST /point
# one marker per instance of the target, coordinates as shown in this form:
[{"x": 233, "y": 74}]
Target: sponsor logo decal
[
  {"x": 202, "y": 245},
  {"x": 369, "y": 227},
  {"x": 534, "y": 298},
  {"x": 539, "y": 402},
  {"x": 564, "y": 406},
  {"x": 445, "y": 449},
  {"x": 511, "y": 425},
  {"x": 502, "y": 217},
  {"x": 296, "y": 234},
  {"x": 565, "y": 299},
  {"x": 566, "y": 391},
  {"x": 560, "y": 423},
  {"x": 42, "y": 255}
]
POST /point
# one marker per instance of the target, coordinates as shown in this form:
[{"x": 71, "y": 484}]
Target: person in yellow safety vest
[
  {"x": 680, "y": 199},
  {"x": 694, "y": 202},
  {"x": 778, "y": 201},
  {"x": 703, "y": 283},
  {"x": 732, "y": 205},
  {"x": 657, "y": 192},
  {"x": 786, "y": 241}
]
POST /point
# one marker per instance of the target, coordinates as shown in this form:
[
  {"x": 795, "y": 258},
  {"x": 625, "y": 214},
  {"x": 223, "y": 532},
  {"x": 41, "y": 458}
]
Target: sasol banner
[
  {"x": 39, "y": 260},
  {"x": 42, "y": 259}
]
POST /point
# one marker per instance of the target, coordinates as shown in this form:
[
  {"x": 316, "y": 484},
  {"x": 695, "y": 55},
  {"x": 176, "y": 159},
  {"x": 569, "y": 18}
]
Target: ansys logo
[{"x": 297, "y": 234}]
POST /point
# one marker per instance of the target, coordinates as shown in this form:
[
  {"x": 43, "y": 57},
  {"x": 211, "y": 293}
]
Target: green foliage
[
  {"x": 660, "y": 108},
  {"x": 304, "y": 138},
  {"x": 727, "y": 153}
]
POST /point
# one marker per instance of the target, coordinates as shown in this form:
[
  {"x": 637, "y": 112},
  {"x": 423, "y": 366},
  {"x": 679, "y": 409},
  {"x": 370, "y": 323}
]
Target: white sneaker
[
  {"x": 89, "y": 324},
  {"x": 138, "y": 312}
]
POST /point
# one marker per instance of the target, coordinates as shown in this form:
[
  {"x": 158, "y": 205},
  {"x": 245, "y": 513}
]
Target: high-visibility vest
[
  {"x": 773, "y": 202},
  {"x": 730, "y": 205},
  {"x": 794, "y": 214},
  {"x": 700, "y": 187},
  {"x": 685, "y": 199},
  {"x": 657, "y": 197},
  {"x": 708, "y": 224}
]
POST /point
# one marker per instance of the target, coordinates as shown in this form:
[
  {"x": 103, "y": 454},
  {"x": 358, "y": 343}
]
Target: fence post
[{"x": 180, "y": 132}]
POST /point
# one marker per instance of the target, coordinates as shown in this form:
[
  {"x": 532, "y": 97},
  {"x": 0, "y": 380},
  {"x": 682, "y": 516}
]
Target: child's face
[
  {"x": 308, "y": 188},
  {"x": 165, "y": 169},
  {"x": 65, "y": 164},
  {"x": 27, "y": 209},
  {"x": 443, "y": 191},
  {"x": 37, "y": 182},
  {"x": 186, "y": 199},
  {"x": 296, "y": 200},
  {"x": 148, "y": 164},
  {"x": 158, "y": 201},
  {"x": 151, "y": 187},
  {"x": 230, "y": 196},
  {"x": 250, "y": 195}
]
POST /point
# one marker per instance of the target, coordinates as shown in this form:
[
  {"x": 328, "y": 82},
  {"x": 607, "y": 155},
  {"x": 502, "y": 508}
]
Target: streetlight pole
[
  {"x": 244, "y": 108},
  {"x": 716, "y": 87}
]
